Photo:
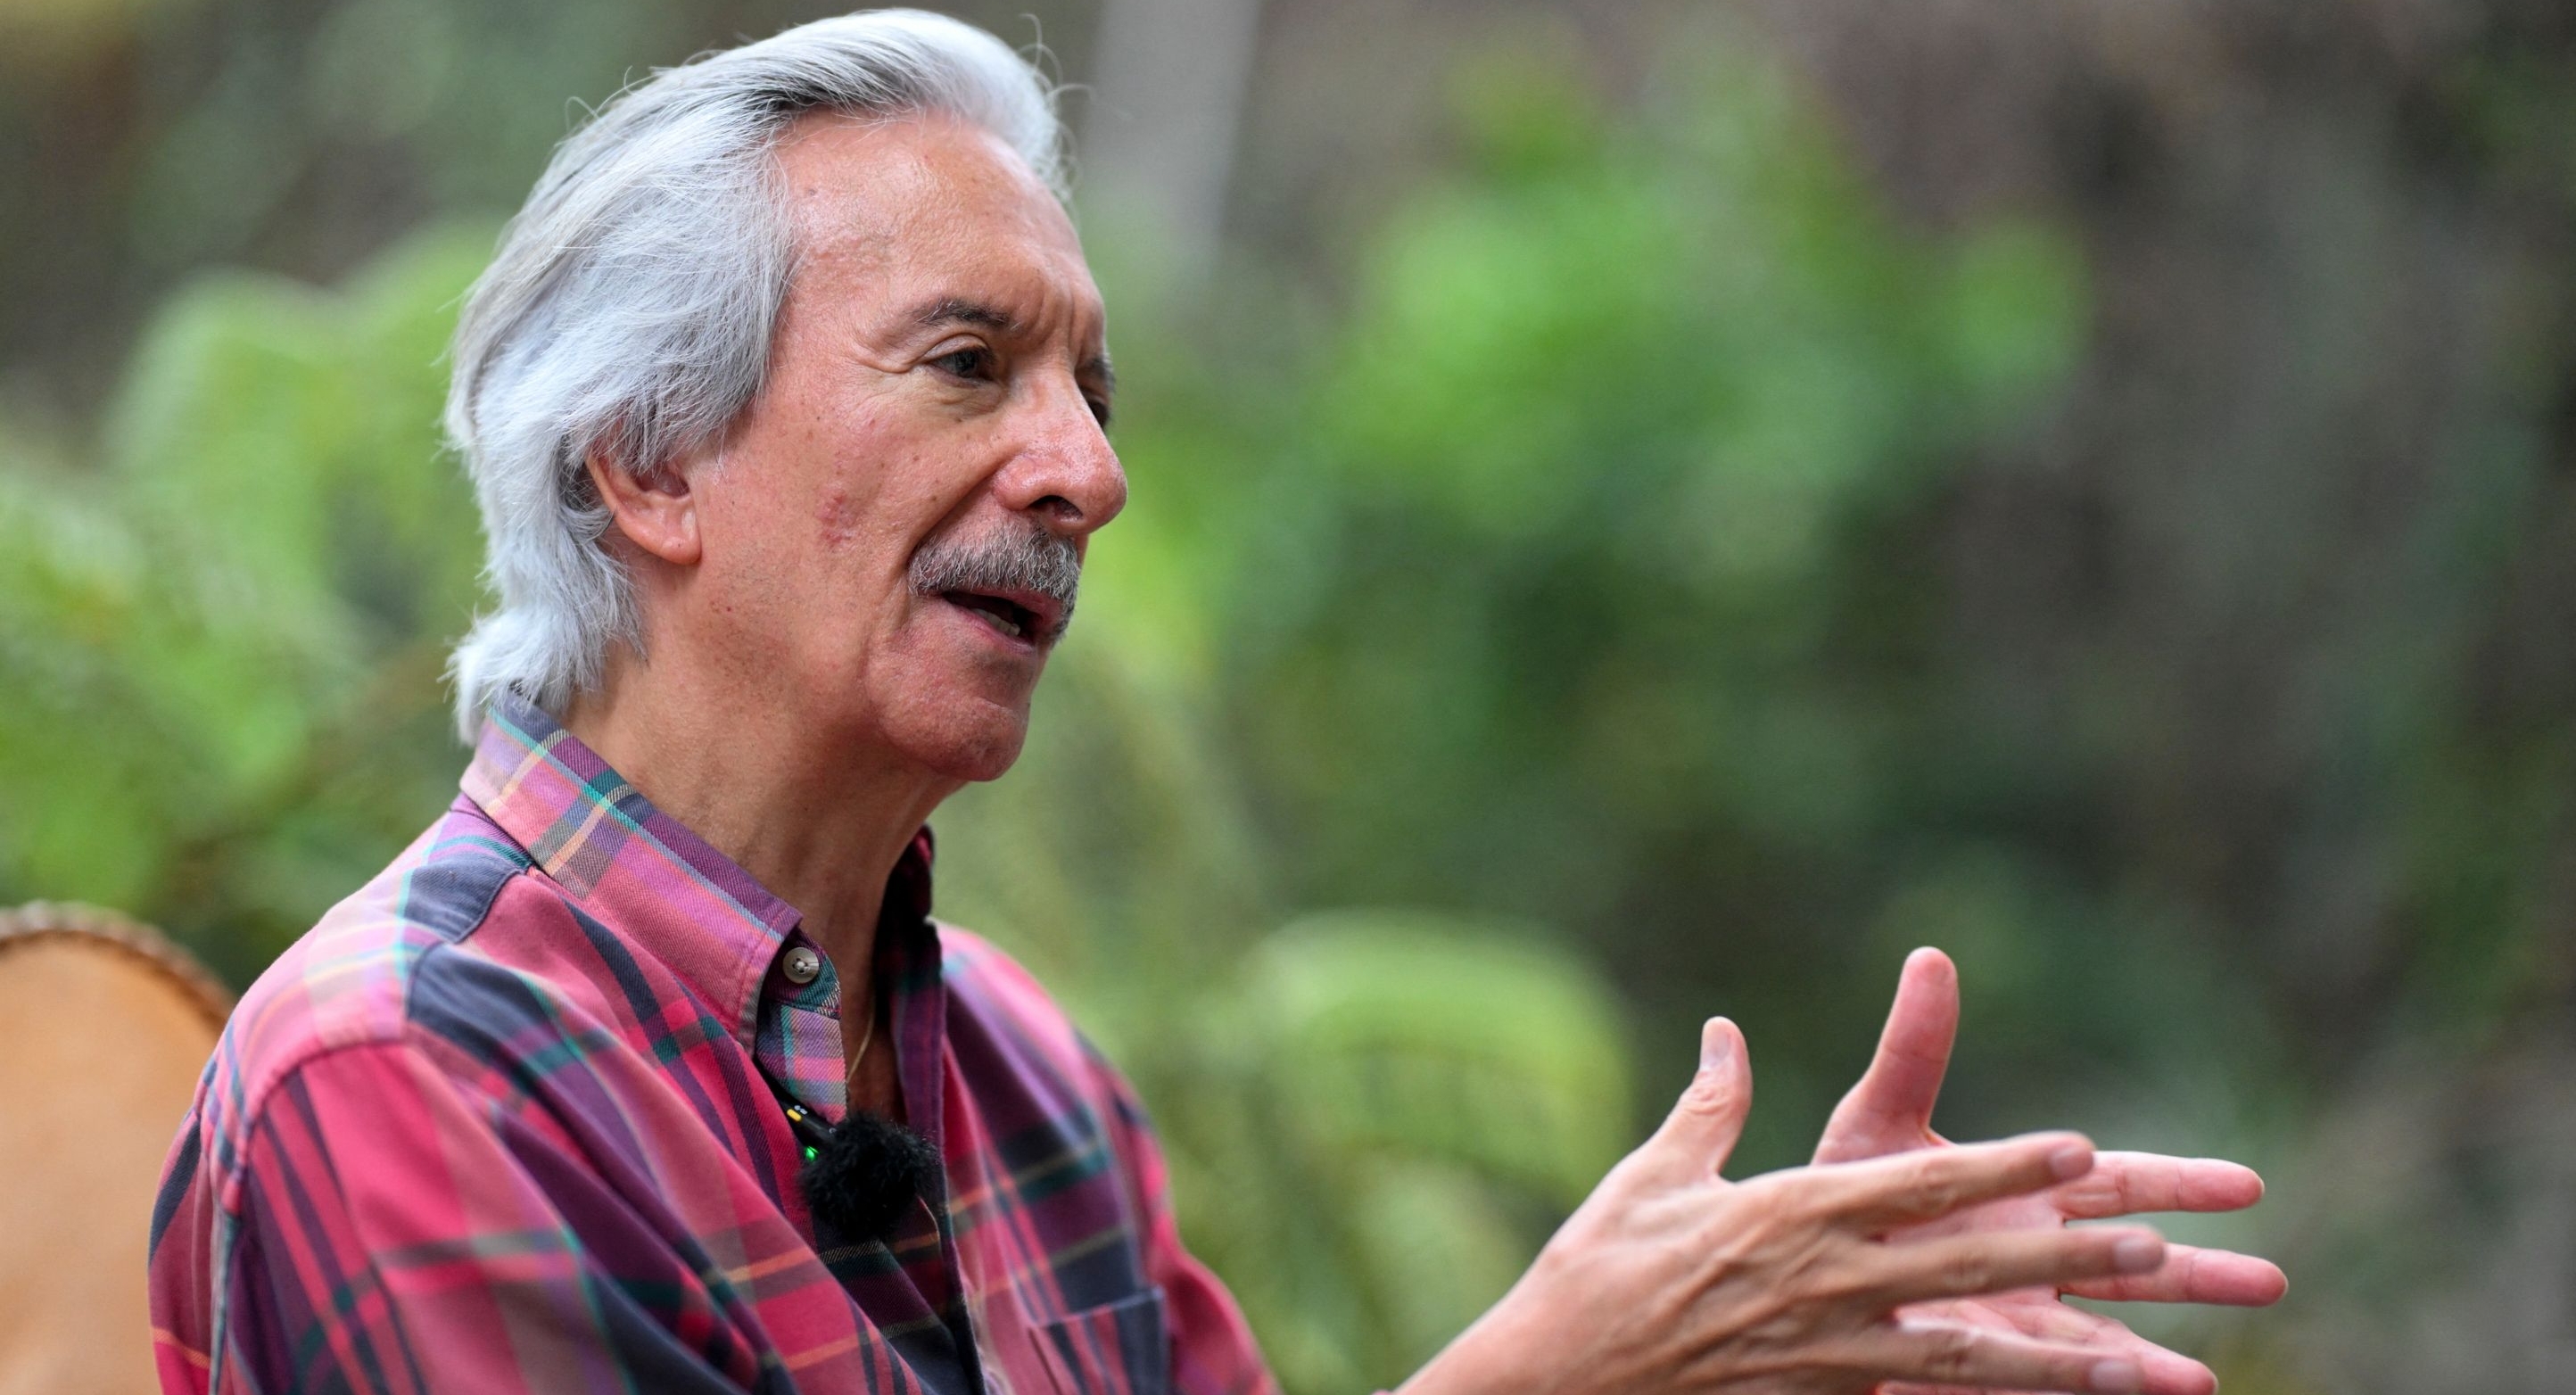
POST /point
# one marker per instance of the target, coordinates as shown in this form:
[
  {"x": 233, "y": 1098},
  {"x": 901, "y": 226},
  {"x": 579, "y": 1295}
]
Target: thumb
[
  {"x": 1890, "y": 1110},
  {"x": 1701, "y": 1131}
]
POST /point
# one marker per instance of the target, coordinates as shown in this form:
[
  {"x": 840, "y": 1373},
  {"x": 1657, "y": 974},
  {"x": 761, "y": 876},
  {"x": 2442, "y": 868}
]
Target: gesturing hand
[
  {"x": 1671, "y": 1278},
  {"x": 1889, "y": 1114}
]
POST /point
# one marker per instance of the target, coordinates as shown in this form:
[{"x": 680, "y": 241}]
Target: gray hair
[{"x": 629, "y": 307}]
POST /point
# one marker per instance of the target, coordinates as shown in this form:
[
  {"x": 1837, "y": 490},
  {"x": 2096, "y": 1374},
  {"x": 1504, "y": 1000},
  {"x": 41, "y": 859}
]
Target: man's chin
[
  {"x": 980, "y": 762},
  {"x": 965, "y": 738},
  {"x": 949, "y": 704}
]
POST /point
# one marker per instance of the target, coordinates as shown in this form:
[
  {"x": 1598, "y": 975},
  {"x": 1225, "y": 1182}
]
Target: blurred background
[{"x": 1641, "y": 510}]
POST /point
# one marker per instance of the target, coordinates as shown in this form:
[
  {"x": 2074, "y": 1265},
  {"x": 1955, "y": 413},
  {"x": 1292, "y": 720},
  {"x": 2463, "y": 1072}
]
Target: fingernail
[
  {"x": 1716, "y": 1044},
  {"x": 2071, "y": 1162},
  {"x": 2137, "y": 1254},
  {"x": 2114, "y": 1376}
]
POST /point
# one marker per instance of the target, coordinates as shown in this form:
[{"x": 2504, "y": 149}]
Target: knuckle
[
  {"x": 1931, "y": 1191},
  {"x": 1952, "y": 1352},
  {"x": 1967, "y": 1272},
  {"x": 1774, "y": 1201},
  {"x": 1709, "y": 1093},
  {"x": 1773, "y": 1323}
]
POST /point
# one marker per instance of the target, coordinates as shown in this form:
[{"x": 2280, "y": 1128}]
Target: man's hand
[
  {"x": 1671, "y": 1278},
  {"x": 1889, "y": 1113}
]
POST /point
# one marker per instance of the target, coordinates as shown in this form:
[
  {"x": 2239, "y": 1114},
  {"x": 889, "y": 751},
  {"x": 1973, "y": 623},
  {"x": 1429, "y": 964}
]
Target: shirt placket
[
  {"x": 798, "y": 1033},
  {"x": 799, "y": 1045},
  {"x": 917, "y": 1004}
]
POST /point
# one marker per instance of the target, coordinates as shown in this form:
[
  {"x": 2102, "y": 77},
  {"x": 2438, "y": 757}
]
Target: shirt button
[{"x": 802, "y": 966}]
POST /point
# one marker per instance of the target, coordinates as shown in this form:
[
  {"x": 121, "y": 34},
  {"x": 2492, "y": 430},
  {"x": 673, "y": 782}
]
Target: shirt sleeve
[
  {"x": 394, "y": 1231},
  {"x": 1213, "y": 1352}
]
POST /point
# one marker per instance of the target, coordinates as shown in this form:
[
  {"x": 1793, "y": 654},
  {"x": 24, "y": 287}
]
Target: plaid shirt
[{"x": 510, "y": 1119}]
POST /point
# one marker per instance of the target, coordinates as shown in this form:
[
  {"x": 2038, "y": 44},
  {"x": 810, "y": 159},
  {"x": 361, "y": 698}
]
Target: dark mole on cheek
[{"x": 839, "y": 516}]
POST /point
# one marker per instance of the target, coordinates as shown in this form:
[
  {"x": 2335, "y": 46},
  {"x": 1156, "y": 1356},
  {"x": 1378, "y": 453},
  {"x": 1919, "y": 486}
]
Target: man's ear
[{"x": 655, "y": 511}]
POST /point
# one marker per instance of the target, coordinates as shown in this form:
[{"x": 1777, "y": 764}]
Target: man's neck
[{"x": 820, "y": 823}]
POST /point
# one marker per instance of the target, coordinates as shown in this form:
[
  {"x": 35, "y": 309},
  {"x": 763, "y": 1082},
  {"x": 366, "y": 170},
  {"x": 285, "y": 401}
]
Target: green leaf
[{"x": 1446, "y": 1039}]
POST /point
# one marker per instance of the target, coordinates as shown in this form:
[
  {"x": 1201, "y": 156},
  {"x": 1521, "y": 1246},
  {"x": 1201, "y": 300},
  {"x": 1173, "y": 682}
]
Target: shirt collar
[{"x": 641, "y": 871}]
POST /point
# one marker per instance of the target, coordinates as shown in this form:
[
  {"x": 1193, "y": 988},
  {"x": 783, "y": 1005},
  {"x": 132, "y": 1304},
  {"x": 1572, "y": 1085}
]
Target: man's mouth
[
  {"x": 1015, "y": 616},
  {"x": 1019, "y": 584}
]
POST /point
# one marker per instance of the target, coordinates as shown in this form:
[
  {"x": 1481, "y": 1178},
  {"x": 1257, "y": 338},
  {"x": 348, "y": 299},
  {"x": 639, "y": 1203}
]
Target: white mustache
[{"x": 1008, "y": 560}]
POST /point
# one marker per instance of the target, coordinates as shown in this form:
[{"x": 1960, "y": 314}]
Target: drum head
[{"x": 104, "y": 1029}]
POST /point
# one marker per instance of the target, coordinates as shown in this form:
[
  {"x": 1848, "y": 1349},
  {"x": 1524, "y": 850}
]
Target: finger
[
  {"x": 2165, "y": 1372},
  {"x": 1891, "y": 1107},
  {"x": 1702, "y": 1129},
  {"x": 2194, "y": 1275},
  {"x": 2129, "y": 1184},
  {"x": 1946, "y": 1354},
  {"x": 1910, "y": 1188},
  {"x": 1964, "y": 1266},
  {"x": 2162, "y": 1372}
]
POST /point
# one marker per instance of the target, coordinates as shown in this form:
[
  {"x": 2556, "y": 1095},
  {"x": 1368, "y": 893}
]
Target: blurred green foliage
[
  {"x": 1564, "y": 575},
  {"x": 224, "y": 640},
  {"x": 1659, "y": 580}
]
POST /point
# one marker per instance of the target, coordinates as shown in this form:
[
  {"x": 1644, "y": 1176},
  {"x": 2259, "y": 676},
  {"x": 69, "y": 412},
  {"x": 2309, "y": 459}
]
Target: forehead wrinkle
[{"x": 880, "y": 199}]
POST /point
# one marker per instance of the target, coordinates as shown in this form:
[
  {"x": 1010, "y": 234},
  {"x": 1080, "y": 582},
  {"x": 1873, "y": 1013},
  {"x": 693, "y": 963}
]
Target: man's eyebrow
[{"x": 957, "y": 310}]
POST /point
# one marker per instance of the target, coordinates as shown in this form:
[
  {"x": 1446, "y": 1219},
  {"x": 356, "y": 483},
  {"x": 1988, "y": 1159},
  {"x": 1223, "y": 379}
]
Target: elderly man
[{"x": 644, "y": 1068}]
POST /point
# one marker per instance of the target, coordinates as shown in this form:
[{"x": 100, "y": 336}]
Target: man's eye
[
  {"x": 1099, "y": 410},
  {"x": 976, "y": 363}
]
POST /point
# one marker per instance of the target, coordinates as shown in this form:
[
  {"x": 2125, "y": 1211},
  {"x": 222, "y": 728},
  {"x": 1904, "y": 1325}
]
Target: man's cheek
[{"x": 839, "y": 520}]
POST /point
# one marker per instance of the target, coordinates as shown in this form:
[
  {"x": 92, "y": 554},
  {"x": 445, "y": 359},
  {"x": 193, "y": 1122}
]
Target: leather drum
[{"x": 104, "y": 1029}]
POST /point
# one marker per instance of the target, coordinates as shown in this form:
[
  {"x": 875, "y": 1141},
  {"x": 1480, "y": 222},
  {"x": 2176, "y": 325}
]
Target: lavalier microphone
[{"x": 863, "y": 1176}]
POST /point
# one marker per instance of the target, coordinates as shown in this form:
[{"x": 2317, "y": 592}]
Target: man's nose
[{"x": 1066, "y": 474}]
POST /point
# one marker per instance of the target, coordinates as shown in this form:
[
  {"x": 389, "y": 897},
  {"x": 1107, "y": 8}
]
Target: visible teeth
[
  {"x": 998, "y": 620},
  {"x": 1009, "y": 620}
]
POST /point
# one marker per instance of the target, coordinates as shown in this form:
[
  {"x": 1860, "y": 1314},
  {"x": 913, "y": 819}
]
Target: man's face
[{"x": 937, "y": 393}]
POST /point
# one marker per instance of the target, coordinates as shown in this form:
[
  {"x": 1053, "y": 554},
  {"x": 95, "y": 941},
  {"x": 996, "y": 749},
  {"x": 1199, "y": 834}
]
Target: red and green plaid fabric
[{"x": 508, "y": 1119}]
